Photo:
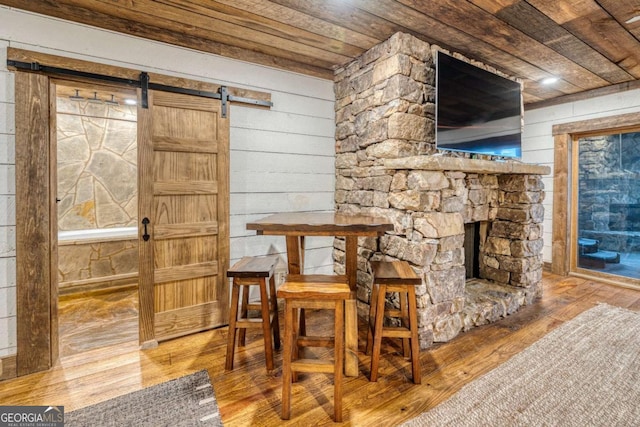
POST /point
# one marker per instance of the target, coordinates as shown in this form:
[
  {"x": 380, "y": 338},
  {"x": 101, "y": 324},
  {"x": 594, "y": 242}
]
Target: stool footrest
[
  {"x": 254, "y": 306},
  {"x": 313, "y": 365},
  {"x": 396, "y": 332},
  {"x": 252, "y": 323},
  {"x": 311, "y": 341}
]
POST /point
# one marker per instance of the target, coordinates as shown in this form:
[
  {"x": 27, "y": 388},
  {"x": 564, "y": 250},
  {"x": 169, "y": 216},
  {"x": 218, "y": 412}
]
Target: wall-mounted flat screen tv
[{"x": 476, "y": 111}]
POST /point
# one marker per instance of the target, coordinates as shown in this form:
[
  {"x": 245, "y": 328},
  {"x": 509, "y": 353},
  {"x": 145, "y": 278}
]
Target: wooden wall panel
[
  {"x": 276, "y": 121},
  {"x": 8, "y": 367},
  {"x": 33, "y": 241},
  {"x": 561, "y": 211},
  {"x": 252, "y": 139},
  {"x": 264, "y": 203},
  {"x": 7, "y": 214}
]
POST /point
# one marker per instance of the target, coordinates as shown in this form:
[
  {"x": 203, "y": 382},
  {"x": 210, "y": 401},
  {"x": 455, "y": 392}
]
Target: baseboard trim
[
  {"x": 82, "y": 291},
  {"x": 99, "y": 284},
  {"x": 8, "y": 367}
]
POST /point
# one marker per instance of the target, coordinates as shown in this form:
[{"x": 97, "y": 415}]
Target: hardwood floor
[
  {"x": 249, "y": 396},
  {"x": 90, "y": 321}
]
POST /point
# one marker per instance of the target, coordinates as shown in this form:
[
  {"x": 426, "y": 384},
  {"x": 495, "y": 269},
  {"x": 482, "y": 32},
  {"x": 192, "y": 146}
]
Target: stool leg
[
  {"x": 338, "y": 361},
  {"x": 266, "y": 323},
  {"x": 295, "y": 348},
  {"x": 286, "y": 360},
  {"x": 415, "y": 344},
  {"x": 243, "y": 314},
  {"x": 233, "y": 316},
  {"x": 377, "y": 332},
  {"x": 274, "y": 309},
  {"x": 373, "y": 301},
  {"x": 302, "y": 330},
  {"x": 404, "y": 321}
]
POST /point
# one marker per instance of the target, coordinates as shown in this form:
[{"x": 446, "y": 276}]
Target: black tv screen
[{"x": 476, "y": 111}]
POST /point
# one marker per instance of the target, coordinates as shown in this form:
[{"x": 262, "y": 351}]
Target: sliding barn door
[{"x": 183, "y": 215}]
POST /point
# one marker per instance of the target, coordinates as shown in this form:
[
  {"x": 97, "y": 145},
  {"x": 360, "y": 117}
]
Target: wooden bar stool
[
  {"x": 394, "y": 276},
  {"x": 312, "y": 292},
  {"x": 253, "y": 271}
]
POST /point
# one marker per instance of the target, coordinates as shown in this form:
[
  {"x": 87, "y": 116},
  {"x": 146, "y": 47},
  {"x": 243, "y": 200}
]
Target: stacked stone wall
[
  {"x": 385, "y": 110},
  {"x": 96, "y": 260},
  {"x": 97, "y": 172}
]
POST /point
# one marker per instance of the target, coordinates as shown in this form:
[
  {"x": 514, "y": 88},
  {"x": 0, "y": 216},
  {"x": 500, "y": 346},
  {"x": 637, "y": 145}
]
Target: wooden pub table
[{"x": 296, "y": 225}]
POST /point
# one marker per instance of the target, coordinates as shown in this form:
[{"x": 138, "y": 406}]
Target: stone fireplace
[{"x": 387, "y": 165}]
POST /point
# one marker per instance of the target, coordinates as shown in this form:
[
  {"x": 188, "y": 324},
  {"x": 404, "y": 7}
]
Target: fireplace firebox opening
[{"x": 472, "y": 237}]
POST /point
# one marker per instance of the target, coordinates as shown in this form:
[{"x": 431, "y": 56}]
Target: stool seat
[
  {"x": 302, "y": 292},
  {"x": 394, "y": 273},
  {"x": 321, "y": 286},
  {"x": 253, "y": 271},
  {"x": 253, "y": 267},
  {"x": 394, "y": 276}
]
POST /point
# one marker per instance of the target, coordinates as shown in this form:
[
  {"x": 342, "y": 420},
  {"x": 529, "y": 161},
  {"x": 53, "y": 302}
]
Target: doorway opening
[{"x": 97, "y": 209}]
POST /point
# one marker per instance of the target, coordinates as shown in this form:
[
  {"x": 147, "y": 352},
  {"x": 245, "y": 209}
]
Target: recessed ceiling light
[
  {"x": 632, "y": 20},
  {"x": 549, "y": 80}
]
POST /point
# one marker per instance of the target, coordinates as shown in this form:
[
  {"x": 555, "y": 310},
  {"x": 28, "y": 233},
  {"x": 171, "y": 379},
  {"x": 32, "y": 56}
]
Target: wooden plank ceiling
[{"x": 587, "y": 44}]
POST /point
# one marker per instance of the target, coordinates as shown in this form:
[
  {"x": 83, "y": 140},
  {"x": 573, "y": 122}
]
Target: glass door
[{"x": 606, "y": 223}]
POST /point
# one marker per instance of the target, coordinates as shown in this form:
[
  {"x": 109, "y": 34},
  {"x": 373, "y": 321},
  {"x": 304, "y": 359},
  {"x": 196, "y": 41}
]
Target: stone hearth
[{"x": 387, "y": 165}]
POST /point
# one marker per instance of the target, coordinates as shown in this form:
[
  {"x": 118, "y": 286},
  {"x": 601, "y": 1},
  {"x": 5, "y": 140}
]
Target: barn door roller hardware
[{"x": 143, "y": 83}]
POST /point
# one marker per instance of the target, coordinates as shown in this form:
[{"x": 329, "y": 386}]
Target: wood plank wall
[
  {"x": 7, "y": 211},
  {"x": 282, "y": 159},
  {"x": 538, "y": 141}
]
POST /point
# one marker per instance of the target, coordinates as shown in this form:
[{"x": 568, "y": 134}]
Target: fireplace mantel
[{"x": 442, "y": 163}]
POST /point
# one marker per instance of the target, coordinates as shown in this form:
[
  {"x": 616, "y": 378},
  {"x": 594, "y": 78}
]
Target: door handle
[{"x": 145, "y": 221}]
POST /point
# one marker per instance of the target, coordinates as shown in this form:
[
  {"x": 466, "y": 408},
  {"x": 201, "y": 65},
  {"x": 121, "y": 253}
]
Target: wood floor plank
[{"x": 249, "y": 395}]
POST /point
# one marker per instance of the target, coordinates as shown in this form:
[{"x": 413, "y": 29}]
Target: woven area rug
[
  {"x": 584, "y": 373},
  {"x": 187, "y": 401}
]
